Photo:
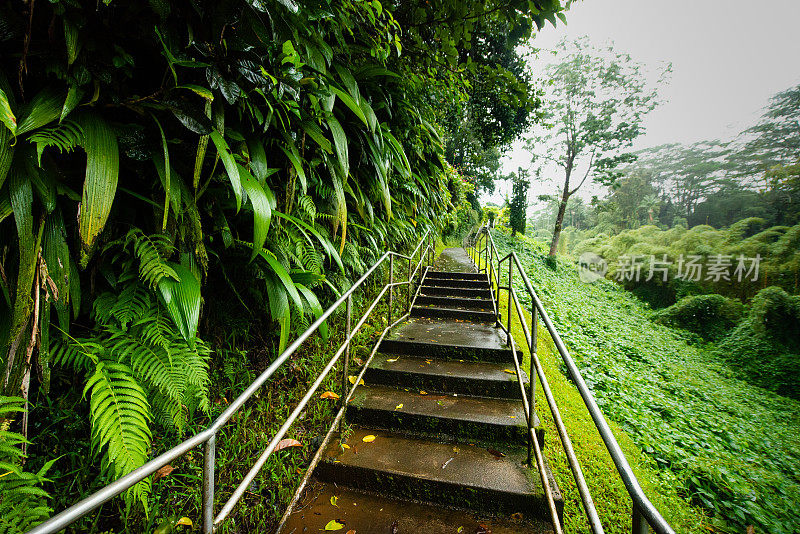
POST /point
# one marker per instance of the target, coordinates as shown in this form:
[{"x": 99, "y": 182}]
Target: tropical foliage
[{"x": 165, "y": 163}]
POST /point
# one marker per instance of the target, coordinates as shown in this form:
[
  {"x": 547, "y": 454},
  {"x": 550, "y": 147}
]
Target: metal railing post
[
  {"x": 510, "y": 272},
  {"x": 391, "y": 288},
  {"x": 486, "y": 252},
  {"x": 209, "y": 459},
  {"x": 640, "y": 525},
  {"x": 532, "y": 376},
  {"x": 346, "y": 367},
  {"x": 408, "y": 295}
]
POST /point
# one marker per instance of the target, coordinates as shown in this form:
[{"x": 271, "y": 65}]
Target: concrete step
[
  {"x": 456, "y": 275},
  {"x": 444, "y": 376},
  {"x": 368, "y": 513},
  {"x": 448, "y": 339},
  {"x": 450, "y": 302},
  {"x": 439, "y": 291},
  {"x": 455, "y": 282},
  {"x": 454, "y": 313},
  {"x": 451, "y": 474},
  {"x": 482, "y": 419}
]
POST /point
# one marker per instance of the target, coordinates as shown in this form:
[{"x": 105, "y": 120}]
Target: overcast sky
[{"x": 728, "y": 58}]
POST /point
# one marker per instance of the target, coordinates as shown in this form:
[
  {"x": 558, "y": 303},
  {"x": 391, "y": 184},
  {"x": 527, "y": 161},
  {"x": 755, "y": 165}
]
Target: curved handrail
[
  {"x": 644, "y": 512},
  {"x": 208, "y": 436}
]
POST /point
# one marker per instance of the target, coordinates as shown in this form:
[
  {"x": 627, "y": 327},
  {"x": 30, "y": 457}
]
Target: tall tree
[
  {"x": 518, "y": 204},
  {"x": 596, "y": 103}
]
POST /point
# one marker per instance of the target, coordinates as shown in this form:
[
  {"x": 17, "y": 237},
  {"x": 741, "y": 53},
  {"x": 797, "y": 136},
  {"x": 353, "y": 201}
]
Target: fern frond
[
  {"x": 121, "y": 419},
  {"x": 23, "y": 503},
  {"x": 153, "y": 251},
  {"x": 306, "y": 204},
  {"x": 65, "y": 137}
]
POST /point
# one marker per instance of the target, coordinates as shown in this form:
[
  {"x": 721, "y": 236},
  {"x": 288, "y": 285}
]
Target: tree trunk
[{"x": 562, "y": 208}]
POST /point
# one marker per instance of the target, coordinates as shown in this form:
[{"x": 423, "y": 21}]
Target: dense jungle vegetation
[{"x": 185, "y": 185}]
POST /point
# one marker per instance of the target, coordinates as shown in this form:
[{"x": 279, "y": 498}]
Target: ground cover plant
[{"x": 728, "y": 446}]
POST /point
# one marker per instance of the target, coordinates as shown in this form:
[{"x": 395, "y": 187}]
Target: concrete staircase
[{"x": 449, "y": 447}]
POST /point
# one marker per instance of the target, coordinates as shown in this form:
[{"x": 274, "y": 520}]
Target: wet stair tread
[
  {"x": 370, "y": 513},
  {"x": 495, "y": 372},
  {"x": 466, "y": 465},
  {"x": 462, "y": 408},
  {"x": 455, "y": 302},
  {"x": 450, "y": 332}
]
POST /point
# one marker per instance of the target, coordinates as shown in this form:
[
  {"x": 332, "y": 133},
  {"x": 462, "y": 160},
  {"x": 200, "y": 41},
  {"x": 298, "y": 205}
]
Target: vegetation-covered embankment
[{"x": 724, "y": 443}]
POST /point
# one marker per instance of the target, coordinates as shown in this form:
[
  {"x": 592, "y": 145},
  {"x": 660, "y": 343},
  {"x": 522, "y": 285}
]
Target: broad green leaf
[
  {"x": 283, "y": 276},
  {"x": 74, "y": 95},
  {"x": 314, "y": 131},
  {"x": 199, "y": 90},
  {"x": 182, "y": 300},
  {"x": 340, "y": 142},
  {"x": 71, "y": 35},
  {"x": 316, "y": 308},
  {"x": 6, "y": 115},
  {"x": 165, "y": 148},
  {"x": 230, "y": 166},
  {"x": 43, "y": 109},
  {"x": 286, "y": 328},
  {"x": 294, "y": 158},
  {"x": 258, "y": 160},
  {"x": 100, "y": 186},
  {"x": 262, "y": 208},
  {"x": 372, "y": 119},
  {"x": 352, "y": 104},
  {"x": 56, "y": 255},
  {"x": 6, "y": 154}
]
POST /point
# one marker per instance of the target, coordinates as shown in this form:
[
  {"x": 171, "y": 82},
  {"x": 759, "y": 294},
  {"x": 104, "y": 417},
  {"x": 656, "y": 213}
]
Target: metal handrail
[
  {"x": 645, "y": 514},
  {"x": 208, "y": 436}
]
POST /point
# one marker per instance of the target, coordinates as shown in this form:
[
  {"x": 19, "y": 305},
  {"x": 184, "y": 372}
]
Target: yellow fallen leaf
[
  {"x": 509, "y": 371},
  {"x": 334, "y": 499},
  {"x": 368, "y": 439},
  {"x": 184, "y": 521},
  {"x": 334, "y": 525},
  {"x": 345, "y": 446},
  {"x": 392, "y": 360},
  {"x": 399, "y": 406},
  {"x": 423, "y": 392},
  {"x": 516, "y": 516},
  {"x": 460, "y": 529},
  {"x": 352, "y": 380},
  {"x": 329, "y": 395},
  {"x": 351, "y": 532}
]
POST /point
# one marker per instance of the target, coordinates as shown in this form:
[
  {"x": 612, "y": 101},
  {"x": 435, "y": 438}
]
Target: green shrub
[
  {"x": 764, "y": 348},
  {"x": 710, "y": 316}
]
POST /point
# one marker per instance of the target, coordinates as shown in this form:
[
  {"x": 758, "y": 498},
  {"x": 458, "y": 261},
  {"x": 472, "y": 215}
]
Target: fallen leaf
[
  {"x": 391, "y": 360},
  {"x": 460, "y": 529},
  {"x": 184, "y": 521},
  {"x": 399, "y": 406},
  {"x": 334, "y": 525},
  {"x": 334, "y": 500},
  {"x": 164, "y": 471},
  {"x": 496, "y": 453},
  {"x": 368, "y": 439},
  {"x": 286, "y": 443},
  {"x": 516, "y": 516},
  {"x": 423, "y": 392},
  {"x": 345, "y": 446},
  {"x": 329, "y": 395},
  {"x": 509, "y": 371},
  {"x": 483, "y": 529},
  {"x": 351, "y": 532},
  {"x": 352, "y": 380}
]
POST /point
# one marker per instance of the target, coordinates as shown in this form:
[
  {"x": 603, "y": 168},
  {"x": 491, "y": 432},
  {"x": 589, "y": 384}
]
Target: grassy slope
[{"x": 731, "y": 447}]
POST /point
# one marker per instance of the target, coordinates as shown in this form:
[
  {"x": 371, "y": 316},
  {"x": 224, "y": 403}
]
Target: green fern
[
  {"x": 23, "y": 503},
  {"x": 65, "y": 137}
]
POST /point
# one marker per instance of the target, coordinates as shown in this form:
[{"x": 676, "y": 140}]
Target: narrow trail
[{"x": 443, "y": 406}]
